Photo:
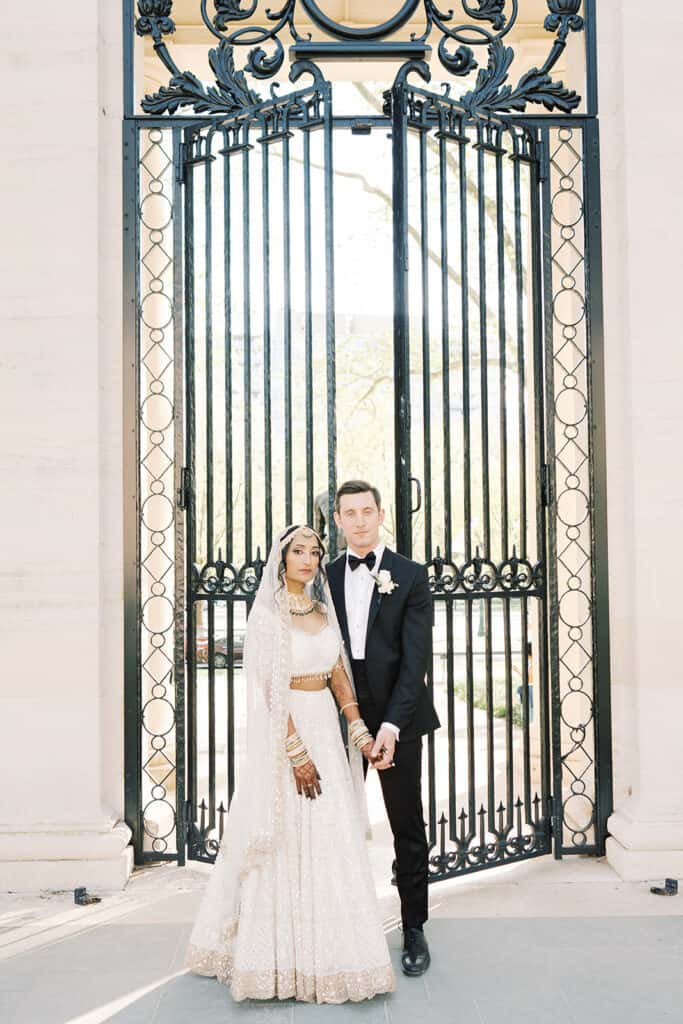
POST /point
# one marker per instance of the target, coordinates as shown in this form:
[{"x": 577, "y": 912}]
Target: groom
[{"x": 384, "y": 608}]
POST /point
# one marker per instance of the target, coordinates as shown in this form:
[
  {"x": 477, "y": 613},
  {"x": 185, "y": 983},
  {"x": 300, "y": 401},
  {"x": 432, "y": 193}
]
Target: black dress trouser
[{"x": 402, "y": 791}]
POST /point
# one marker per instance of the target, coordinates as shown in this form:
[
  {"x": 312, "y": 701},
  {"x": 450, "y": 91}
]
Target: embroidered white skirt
[{"x": 308, "y": 925}]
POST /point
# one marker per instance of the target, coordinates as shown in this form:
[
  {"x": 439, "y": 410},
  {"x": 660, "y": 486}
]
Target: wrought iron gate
[
  {"x": 473, "y": 444},
  {"x": 258, "y": 437},
  {"x": 488, "y": 463}
]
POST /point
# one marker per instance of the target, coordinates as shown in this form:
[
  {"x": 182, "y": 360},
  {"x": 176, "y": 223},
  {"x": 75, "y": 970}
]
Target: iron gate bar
[
  {"x": 374, "y": 121},
  {"x": 322, "y": 51},
  {"x": 426, "y": 354},
  {"x": 399, "y": 147},
  {"x": 502, "y": 356},
  {"x": 450, "y": 691},
  {"x": 427, "y": 454},
  {"x": 509, "y": 753},
  {"x": 230, "y": 724},
  {"x": 180, "y": 595},
  {"x": 471, "y": 753},
  {"x": 227, "y": 337},
  {"x": 208, "y": 357},
  {"x": 526, "y": 724},
  {"x": 537, "y": 175},
  {"x": 330, "y": 309},
  {"x": 598, "y": 449},
  {"x": 502, "y": 412},
  {"x": 267, "y": 338},
  {"x": 490, "y": 741},
  {"x": 190, "y": 446},
  {"x": 483, "y": 340},
  {"x": 287, "y": 271},
  {"x": 131, "y": 481},
  {"x": 308, "y": 330},
  {"x": 463, "y": 142},
  {"x": 445, "y": 337},
  {"x": 208, "y": 342},
  {"x": 521, "y": 362},
  {"x": 246, "y": 333},
  {"x": 479, "y": 146}
]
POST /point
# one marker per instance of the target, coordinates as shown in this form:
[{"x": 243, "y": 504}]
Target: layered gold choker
[{"x": 300, "y": 604}]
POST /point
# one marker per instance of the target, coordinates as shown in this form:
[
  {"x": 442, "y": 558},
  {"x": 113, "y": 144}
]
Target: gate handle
[{"x": 417, "y": 508}]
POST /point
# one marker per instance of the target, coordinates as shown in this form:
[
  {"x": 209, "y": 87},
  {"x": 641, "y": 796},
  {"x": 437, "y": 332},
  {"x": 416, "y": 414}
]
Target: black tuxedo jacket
[{"x": 398, "y": 647}]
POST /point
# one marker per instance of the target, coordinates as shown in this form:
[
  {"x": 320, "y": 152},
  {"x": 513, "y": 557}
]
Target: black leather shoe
[{"x": 416, "y": 958}]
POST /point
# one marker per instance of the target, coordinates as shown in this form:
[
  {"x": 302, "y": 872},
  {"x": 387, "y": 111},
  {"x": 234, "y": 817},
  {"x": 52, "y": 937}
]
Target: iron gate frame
[{"x": 133, "y": 126}]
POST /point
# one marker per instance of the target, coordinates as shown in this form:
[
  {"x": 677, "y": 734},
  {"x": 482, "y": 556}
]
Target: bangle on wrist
[
  {"x": 296, "y": 750},
  {"x": 359, "y": 733}
]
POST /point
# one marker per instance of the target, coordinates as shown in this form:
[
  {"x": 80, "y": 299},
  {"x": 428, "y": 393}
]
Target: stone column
[
  {"x": 642, "y": 148},
  {"x": 61, "y": 687}
]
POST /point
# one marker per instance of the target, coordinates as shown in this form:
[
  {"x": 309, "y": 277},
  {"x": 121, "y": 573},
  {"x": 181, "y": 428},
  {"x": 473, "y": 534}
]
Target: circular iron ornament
[{"x": 339, "y": 31}]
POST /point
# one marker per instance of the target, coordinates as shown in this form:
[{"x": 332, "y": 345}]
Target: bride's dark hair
[{"x": 318, "y": 585}]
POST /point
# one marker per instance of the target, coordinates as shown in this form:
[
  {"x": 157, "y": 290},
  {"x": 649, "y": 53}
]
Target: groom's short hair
[{"x": 357, "y": 487}]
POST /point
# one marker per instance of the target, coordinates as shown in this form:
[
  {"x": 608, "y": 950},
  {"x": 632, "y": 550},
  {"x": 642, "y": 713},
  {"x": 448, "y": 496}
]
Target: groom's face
[{"x": 360, "y": 519}]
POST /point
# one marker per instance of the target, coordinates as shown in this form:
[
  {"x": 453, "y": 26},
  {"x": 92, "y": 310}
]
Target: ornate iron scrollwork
[
  {"x": 481, "y": 576},
  {"x": 489, "y": 23},
  {"x": 219, "y": 578},
  {"x": 230, "y": 93}
]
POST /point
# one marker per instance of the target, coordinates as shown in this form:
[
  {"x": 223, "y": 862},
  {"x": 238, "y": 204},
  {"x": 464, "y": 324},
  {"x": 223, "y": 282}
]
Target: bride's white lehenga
[{"x": 304, "y": 921}]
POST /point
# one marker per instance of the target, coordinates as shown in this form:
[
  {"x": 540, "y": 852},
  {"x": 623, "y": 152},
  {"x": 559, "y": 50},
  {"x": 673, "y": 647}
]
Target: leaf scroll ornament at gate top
[{"x": 490, "y": 21}]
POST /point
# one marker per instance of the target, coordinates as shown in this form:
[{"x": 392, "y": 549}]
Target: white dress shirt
[{"x": 359, "y": 585}]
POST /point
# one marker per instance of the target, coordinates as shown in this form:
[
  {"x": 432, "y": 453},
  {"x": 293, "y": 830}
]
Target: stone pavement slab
[
  {"x": 548, "y": 942},
  {"x": 484, "y": 971}
]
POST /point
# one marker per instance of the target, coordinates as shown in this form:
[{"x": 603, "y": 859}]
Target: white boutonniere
[{"x": 385, "y": 584}]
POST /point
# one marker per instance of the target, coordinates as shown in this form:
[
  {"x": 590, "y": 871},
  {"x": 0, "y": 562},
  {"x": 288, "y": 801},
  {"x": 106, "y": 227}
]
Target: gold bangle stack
[
  {"x": 296, "y": 751},
  {"x": 359, "y": 733}
]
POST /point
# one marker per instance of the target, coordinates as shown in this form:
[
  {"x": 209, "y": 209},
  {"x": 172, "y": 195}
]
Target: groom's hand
[{"x": 382, "y": 755}]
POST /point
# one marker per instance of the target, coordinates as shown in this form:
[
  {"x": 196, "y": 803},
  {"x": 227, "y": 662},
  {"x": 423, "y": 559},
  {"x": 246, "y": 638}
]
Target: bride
[{"x": 290, "y": 909}]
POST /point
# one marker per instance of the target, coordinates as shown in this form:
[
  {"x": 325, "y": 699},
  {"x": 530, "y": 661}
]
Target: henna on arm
[
  {"x": 343, "y": 692},
  {"x": 346, "y": 700}
]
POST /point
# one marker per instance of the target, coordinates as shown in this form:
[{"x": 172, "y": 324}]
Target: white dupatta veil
[{"x": 256, "y": 819}]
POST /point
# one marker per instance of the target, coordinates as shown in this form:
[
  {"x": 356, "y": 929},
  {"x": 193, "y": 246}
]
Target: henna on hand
[{"x": 307, "y": 778}]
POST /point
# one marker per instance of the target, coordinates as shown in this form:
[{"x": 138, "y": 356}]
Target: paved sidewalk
[{"x": 554, "y": 943}]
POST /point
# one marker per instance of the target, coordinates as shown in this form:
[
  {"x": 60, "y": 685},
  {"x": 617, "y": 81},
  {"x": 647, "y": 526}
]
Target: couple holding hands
[{"x": 290, "y": 910}]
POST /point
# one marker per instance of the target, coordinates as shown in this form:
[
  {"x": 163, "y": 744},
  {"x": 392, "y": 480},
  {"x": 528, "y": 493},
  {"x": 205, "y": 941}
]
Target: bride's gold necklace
[{"x": 300, "y": 604}]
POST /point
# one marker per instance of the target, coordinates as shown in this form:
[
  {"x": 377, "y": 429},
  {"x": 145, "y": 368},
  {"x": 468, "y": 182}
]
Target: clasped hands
[
  {"x": 378, "y": 753},
  {"x": 381, "y": 753}
]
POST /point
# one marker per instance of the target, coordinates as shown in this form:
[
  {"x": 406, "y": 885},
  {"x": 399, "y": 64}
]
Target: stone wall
[{"x": 61, "y": 690}]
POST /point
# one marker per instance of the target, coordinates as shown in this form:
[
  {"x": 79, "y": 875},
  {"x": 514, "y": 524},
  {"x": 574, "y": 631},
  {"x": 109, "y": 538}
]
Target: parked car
[{"x": 222, "y": 653}]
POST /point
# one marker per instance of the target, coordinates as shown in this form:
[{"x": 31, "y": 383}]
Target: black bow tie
[{"x": 369, "y": 560}]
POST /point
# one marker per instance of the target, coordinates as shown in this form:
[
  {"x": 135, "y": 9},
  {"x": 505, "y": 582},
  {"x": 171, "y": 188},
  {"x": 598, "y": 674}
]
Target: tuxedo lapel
[
  {"x": 386, "y": 563},
  {"x": 335, "y": 576}
]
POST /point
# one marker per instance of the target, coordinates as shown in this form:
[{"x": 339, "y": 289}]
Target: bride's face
[{"x": 302, "y": 559}]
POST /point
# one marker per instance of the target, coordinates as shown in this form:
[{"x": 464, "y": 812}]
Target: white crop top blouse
[{"x": 314, "y": 652}]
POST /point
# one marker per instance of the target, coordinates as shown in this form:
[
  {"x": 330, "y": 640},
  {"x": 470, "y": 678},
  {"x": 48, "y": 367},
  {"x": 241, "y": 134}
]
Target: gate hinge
[
  {"x": 184, "y": 491},
  {"x": 183, "y": 151},
  {"x": 556, "y": 816},
  {"x": 546, "y": 486},
  {"x": 543, "y": 159},
  {"x": 404, "y": 412}
]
